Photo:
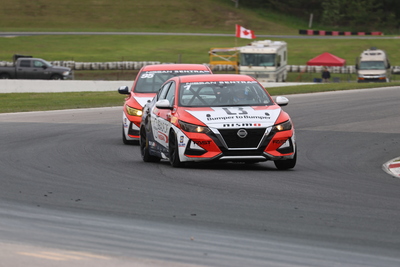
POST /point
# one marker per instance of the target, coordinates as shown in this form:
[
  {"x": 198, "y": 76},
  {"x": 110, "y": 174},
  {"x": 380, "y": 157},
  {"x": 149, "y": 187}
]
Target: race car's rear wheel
[
  {"x": 174, "y": 151},
  {"x": 144, "y": 148},
  {"x": 286, "y": 164}
]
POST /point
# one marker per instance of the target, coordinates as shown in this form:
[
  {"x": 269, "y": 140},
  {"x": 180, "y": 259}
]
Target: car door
[
  {"x": 23, "y": 69},
  {"x": 161, "y": 118},
  {"x": 39, "y": 70},
  {"x": 33, "y": 69}
]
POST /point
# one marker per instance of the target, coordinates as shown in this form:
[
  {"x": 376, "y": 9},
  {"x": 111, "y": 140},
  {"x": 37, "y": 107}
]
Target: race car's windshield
[
  {"x": 217, "y": 94},
  {"x": 151, "y": 81}
]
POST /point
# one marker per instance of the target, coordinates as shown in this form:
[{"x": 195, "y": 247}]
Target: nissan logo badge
[{"x": 242, "y": 133}]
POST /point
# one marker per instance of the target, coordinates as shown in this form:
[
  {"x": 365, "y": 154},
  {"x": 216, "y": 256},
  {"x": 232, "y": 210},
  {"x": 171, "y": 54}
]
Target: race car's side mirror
[
  {"x": 163, "y": 104},
  {"x": 123, "y": 90},
  {"x": 281, "y": 101}
]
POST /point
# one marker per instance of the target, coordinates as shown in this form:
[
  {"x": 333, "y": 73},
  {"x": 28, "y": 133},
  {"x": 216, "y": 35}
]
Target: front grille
[{"x": 252, "y": 140}]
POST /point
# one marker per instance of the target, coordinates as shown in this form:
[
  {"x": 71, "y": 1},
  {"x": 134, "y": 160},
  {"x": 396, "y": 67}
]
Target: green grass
[
  {"x": 325, "y": 87},
  {"x": 23, "y": 102},
  {"x": 186, "y": 49}
]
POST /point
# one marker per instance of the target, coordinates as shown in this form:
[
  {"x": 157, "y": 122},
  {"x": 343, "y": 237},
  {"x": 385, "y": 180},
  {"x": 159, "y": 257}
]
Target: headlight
[
  {"x": 133, "y": 111},
  {"x": 188, "y": 127},
  {"x": 285, "y": 126},
  {"x": 65, "y": 73}
]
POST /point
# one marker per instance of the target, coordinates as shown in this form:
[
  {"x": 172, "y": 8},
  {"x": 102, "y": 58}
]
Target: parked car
[
  {"x": 220, "y": 117},
  {"x": 27, "y": 67},
  {"x": 145, "y": 87}
]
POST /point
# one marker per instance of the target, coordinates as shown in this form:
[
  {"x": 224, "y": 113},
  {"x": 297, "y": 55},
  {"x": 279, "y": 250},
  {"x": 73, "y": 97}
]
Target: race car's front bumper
[{"x": 224, "y": 146}]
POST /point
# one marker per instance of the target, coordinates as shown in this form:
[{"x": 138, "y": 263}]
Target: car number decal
[
  {"x": 230, "y": 112},
  {"x": 147, "y": 75}
]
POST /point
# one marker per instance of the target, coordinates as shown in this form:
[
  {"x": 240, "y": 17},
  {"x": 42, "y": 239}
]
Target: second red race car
[
  {"x": 145, "y": 87},
  {"x": 220, "y": 117}
]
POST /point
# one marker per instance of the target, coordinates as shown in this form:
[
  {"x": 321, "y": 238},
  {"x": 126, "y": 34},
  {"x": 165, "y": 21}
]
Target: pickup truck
[{"x": 27, "y": 67}]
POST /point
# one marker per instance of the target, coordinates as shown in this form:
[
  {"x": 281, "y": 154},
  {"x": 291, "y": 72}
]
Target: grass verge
[{"x": 24, "y": 102}]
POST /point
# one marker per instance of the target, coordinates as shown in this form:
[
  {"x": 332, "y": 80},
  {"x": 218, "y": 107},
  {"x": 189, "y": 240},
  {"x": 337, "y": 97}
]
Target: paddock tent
[{"x": 327, "y": 59}]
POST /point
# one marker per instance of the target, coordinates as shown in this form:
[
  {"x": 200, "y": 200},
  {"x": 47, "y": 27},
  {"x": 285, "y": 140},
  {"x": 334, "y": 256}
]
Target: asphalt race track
[{"x": 72, "y": 194}]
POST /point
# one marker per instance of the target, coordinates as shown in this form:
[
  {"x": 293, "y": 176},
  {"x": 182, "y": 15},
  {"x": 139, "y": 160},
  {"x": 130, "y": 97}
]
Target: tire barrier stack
[
  {"x": 115, "y": 65},
  {"x": 137, "y": 65},
  {"x": 6, "y": 64},
  {"x": 122, "y": 65},
  {"x": 337, "y": 33},
  {"x": 318, "y": 69}
]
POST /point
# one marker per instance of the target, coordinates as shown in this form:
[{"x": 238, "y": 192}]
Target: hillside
[
  {"x": 138, "y": 15},
  {"x": 202, "y": 16}
]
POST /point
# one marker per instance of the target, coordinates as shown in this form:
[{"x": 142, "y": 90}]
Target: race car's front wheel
[
  {"x": 125, "y": 140},
  {"x": 174, "y": 151},
  {"x": 286, "y": 164},
  {"x": 144, "y": 149}
]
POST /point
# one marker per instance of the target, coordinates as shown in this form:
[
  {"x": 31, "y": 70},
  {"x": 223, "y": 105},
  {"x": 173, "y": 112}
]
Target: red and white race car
[
  {"x": 146, "y": 86},
  {"x": 220, "y": 117}
]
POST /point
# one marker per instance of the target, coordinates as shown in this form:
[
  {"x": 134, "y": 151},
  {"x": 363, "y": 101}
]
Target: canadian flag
[{"x": 244, "y": 33}]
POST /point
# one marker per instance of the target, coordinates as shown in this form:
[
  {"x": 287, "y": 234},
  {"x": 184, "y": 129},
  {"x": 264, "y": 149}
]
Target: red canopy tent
[{"x": 326, "y": 59}]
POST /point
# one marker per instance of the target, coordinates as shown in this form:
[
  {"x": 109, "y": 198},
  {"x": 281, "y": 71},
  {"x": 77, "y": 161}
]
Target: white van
[{"x": 373, "y": 66}]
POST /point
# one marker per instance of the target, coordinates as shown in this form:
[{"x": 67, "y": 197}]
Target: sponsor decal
[
  {"x": 162, "y": 125},
  {"x": 204, "y": 143},
  {"x": 181, "y": 141},
  {"x": 245, "y": 116},
  {"x": 228, "y": 125},
  {"x": 221, "y": 83},
  {"x": 126, "y": 123},
  {"x": 238, "y": 113},
  {"x": 150, "y": 74},
  {"x": 279, "y": 142},
  {"x": 163, "y": 137}
]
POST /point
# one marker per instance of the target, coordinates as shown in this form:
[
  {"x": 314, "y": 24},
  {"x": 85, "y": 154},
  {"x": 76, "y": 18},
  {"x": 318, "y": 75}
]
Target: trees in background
[{"x": 363, "y": 15}]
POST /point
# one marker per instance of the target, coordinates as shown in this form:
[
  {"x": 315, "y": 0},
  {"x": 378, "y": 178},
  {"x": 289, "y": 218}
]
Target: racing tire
[
  {"x": 144, "y": 149},
  {"x": 286, "y": 164},
  {"x": 126, "y": 141},
  {"x": 174, "y": 151}
]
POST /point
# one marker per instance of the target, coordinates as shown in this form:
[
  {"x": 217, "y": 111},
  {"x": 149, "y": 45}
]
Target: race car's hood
[
  {"x": 143, "y": 98},
  {"x": 236, "y": 117}
]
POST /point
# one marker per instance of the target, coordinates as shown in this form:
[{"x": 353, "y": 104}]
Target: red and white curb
[{"x": 392, "y": 167}]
